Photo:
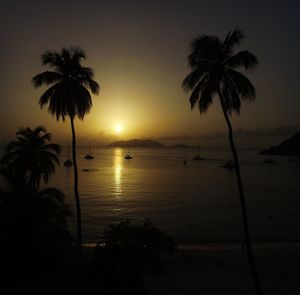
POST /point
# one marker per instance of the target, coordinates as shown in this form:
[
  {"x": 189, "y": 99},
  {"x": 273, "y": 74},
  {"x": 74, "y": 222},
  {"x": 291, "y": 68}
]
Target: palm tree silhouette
[
  {"x": 37, "y": 250},
  {"x": 68, "y": 96},
  {"x": 214, "y": 71},
  {"x": 30, "y": 157}
]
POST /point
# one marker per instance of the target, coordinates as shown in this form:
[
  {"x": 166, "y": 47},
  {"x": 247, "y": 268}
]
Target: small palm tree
[
  {"x": 214, "y": 71},
  {"x": 30, "y": 157},
  {"x": 69, "y": 96}
]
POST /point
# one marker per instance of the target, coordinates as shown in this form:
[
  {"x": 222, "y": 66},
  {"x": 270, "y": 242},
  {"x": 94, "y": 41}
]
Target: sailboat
[
  {"x": 89, "y": 155},
  {"x": 185, "y": 159},
  {"x": 68, "y": 162},
  {"x": 198, "y": 157},
  {"x": 128, "y": 157}
]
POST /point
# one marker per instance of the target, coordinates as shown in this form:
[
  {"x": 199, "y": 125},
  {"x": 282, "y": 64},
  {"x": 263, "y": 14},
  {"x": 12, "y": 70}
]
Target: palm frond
[
  {"x": 82, "y": 101},
  {"x": 47, "y": 78},
  {"x": 232, "y": 39},
  {"x": 191, "y": 79},
  {"x": 60, "y": 102},
  {"x": 87, "y": 72},
  {"x": 46, "y": 137},
  {"x": 53, "y": 148},
  {"x": 194, "y": 97},
  {"x": 36, "y": 131},
  {"x": 230, "y": 97},
  {"x": 197, "y": 92},
  {"x": 66, "y": 55},
  {"x": 242, "y": 59},
  {"x": 47, "y": 157},
  {"x": 92, "y": 85},
  {"x": 24, "y": 131},
  {"x": 77, "y": 54},
  {"x": 47, "y": 95},
  {"x": 51, "y": 59},
  {"x": 242, "y": 85},
  {"x": 206, "y": 48},
  {"x": 209, "y": 89}
]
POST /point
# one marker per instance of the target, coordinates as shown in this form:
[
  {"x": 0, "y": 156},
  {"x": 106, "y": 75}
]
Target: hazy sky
[{"x": 138, "y": 50}]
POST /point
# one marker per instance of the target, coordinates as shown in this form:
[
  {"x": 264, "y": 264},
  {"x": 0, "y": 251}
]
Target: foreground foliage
[
  {"x": 36, "y": 249},
  {"x": 128, "y": 252}
]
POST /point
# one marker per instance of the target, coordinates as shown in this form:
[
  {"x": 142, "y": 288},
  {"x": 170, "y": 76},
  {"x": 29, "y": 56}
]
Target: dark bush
[{"x": 128, "y": 253}]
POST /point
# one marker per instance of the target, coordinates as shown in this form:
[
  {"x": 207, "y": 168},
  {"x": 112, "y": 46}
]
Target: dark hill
[
  {"x": 136, "y": 143},
  {"x": 180, "y": 146},
  {"x": 289, "y": 147}
]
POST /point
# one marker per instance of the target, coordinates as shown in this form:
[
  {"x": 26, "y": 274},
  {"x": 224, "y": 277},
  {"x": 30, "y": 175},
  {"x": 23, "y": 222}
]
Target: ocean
[{"x": 196, "y": 202}]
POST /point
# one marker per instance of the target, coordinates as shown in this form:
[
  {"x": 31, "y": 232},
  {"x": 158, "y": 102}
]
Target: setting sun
[{"x": 118, "y": 128}]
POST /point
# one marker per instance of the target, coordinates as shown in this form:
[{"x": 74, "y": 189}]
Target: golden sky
[{"x": 138, "y": 51}]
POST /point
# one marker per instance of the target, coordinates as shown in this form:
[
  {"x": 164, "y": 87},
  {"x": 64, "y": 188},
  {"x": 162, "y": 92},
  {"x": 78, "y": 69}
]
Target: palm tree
[
  {"x": 30, "y": 157},
  {"x": 37, "y": 251},
  {"x": 214, "y": 71},
  {"x": 69, "y": 96}
]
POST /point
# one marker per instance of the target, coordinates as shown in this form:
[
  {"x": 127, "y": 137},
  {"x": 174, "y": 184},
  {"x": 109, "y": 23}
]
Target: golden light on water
[{"x": 118, "y": 173}]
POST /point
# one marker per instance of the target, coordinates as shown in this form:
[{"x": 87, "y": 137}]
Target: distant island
[
  {"x": 289, "y": 147},
  {"x": 136, "y": 143},
  {"x": 180, "y": 146}
]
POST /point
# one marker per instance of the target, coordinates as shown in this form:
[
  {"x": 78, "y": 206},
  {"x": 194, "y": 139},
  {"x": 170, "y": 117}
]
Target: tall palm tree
[
  {"x": 69, "y": 96},
  {"x": 30, "y": 157},
  {"x": 215, "y": 71}
]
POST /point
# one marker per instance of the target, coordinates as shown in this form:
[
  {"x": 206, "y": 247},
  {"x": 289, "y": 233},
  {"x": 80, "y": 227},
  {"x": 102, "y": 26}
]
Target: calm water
[{"x": 197, "y": 202}]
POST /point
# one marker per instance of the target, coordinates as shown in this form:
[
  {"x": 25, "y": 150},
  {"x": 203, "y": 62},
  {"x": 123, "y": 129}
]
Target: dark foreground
[{"x": 224, "y": 270}]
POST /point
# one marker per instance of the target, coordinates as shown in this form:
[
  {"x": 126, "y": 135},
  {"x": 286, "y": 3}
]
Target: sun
[{"x": 118, "y": 128}]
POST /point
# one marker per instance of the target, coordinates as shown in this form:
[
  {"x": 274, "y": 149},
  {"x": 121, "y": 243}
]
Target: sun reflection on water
[{"x": 118, "y": 173}]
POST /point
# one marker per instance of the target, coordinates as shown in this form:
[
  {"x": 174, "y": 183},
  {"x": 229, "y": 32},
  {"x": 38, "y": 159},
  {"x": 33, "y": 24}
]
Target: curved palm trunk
[
  {"x": 77, "y": 199},
  {"x": 247, "y": 236}
]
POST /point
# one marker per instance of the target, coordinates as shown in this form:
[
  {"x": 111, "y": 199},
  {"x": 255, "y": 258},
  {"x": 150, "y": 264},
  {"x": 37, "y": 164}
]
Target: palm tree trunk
[
  {"x": 77, "y": 199},
  {"x": 247, "y": 236}
]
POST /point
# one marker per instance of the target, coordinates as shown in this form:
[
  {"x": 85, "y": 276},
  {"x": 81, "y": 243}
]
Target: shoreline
[{"x": 189, "y": 245}]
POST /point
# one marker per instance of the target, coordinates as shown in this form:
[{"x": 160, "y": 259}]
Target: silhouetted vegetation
[
  {"x": 68, "y": 96},
  {"x": 214, "y": 71},
  {"x": 37, "y": 252},
  {"x": 128, "y": 252},
  {"x": 30, "y": 158}
]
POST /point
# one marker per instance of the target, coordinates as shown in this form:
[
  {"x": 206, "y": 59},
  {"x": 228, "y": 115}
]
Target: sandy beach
[{"x": 223, "y": 269}]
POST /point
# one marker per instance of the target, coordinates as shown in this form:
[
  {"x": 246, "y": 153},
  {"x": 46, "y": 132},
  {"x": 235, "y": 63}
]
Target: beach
[{"x": 211, "y": 269}]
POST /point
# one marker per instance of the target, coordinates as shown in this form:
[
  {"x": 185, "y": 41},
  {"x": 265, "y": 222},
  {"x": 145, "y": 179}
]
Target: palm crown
[
  {"x": 69, "y": 94},
  {"x": 214, "y": 71},
  {"x": 30, "y": 157}
]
